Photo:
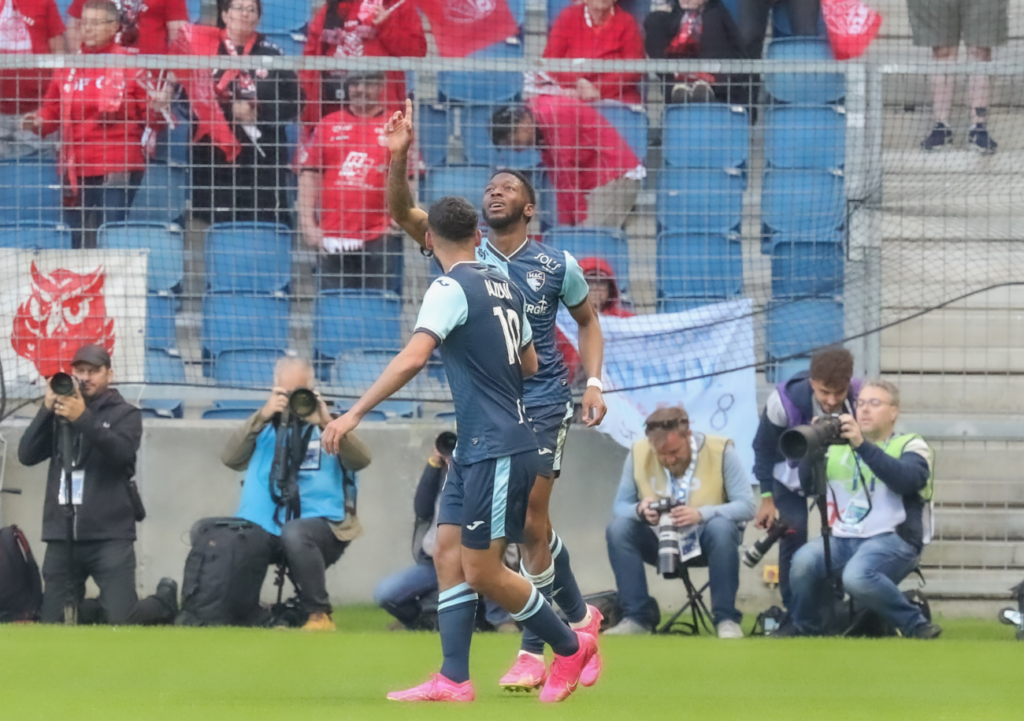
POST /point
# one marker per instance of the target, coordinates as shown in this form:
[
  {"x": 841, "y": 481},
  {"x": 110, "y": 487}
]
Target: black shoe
[
  {"x": 926, "y": 631},
  {"x": 167, "y": 594},
  {"x": 940, "y": 138},
  {"x": 787, "y": 629},
  {"x": 979, "y": 140}
]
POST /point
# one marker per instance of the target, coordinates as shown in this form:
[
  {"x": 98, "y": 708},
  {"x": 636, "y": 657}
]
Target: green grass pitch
[{"x": 974, "y": 671}]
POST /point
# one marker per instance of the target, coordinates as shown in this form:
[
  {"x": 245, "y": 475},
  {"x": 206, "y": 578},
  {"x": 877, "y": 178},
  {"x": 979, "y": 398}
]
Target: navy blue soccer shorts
[
  {"x": 551, "y": 425},
  {"x": 488, "y": 499}
]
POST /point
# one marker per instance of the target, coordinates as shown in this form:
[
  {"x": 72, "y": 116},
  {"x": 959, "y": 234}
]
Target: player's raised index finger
[{"x": 408, "y": 110}]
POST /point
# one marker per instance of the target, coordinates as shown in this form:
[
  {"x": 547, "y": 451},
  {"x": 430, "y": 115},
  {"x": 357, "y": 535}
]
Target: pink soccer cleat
[
  {"x": 592, "y": 671},
  {"x": 566, "y": 670},
  {"x": 528, "y": 673},
  {"x": 438, "y": 688}
]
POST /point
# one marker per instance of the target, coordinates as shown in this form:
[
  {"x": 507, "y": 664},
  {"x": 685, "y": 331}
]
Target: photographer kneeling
[
  {"x": 876, "y": 481},
  {"x": 712, "y": 498},
  {"x": 326, "y": 521}
]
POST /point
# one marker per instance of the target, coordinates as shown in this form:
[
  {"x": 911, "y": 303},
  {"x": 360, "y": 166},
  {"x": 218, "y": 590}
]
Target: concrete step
[
  {"x": 977, "y": 224},
  {"x": 1000, "y": 555},
  {"x": 951, "y": 359},
  {"x": 980, "y": 524},
  {"x": 901, "y": 163},
  {"x": 951, "y": 492},
  {"x": 981, "y": 394},
  {"x": 965, "y": 583},
  {"x": 972, "y": 460},
  {"x": 925, "y": 274},
  {"x": 957, "y": 327}
]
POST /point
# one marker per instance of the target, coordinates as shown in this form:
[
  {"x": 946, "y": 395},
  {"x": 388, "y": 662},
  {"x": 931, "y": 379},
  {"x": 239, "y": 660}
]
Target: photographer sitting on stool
[
  {"x": 876, "y": 481},
  {"x": 327, "y": 522},
  {"x": 401, "y": 594},
  {"x": 705, "y": 475},
  {"x": 829, "y": 387},
  {"x": 105, "y": 435}
]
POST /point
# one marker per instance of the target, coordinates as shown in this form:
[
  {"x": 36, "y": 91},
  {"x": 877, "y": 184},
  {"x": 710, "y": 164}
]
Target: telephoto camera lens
[
  {"x": 303, "y": 402},
  {"x": 753, "y": 555},
  {"x": 813, "y": 440},
  {"x": 668, "y": 546},
  {"x": 62, "y": 384}
]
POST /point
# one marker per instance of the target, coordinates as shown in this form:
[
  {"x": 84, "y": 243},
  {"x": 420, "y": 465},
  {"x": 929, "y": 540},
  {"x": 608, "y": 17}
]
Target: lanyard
[
  {"x": 681, "y": 489},
  {"x": 857, "y": 471}
]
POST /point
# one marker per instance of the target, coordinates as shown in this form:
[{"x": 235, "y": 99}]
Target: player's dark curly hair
[
  {"x": 832, "y": 366},
  {"x": 454, "y": 219},
  {"x": 530, "y": 192},
  {"x": 504, "y": 121}
]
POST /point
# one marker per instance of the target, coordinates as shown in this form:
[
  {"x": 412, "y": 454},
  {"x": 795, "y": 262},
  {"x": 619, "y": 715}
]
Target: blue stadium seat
[
  {"x": 804, "y": 88},
  {"x": 796, "y": 327},
  {"x": 357, "y": 370},
  {"x": 782, "y": 371},
  {"x": 249, "y": 368},
  {"x": 466, "y": 181},
  {"x": 484, "y": 87},
  {"x": 161, "y": 197},
  {"x": 681, "y": 305},
  {"x": 166, "y": 368},
  {"x": 160, "y": 333},
  {"x": 630, "y": 122},
  {"x": 700, "y": 200},
  {"x": 30, "y": 190},
  {"x": 165, "y": 243},
  {"x": 607, "y": 243},
  {"x": 35, "y": 235},
  {"x": 350, "y": 320},
  {"x": 243, "y": 322},
  {"x": 284, "y": 15},
  {"x": 386, "y": 409},
  {"x": 806, "y": 269},
  {"x": 802, "y": 202},
  {"x": 434, "y": 129},
  {"x": 812, "y": 137},
  {"x": 226, "y": 414},
  {"x": 699, "y": 266},
  {"x": 248, "y": 257},
  {"x": 706, "y": 135},
  {"x": 476, "y": 134},
  {"x": 195, "y": 10}
]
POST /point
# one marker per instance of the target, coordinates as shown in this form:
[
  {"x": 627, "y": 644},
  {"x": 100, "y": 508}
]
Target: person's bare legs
[
  {"x": 978, "y": 85},
  {"x": 943, "y": 86}
]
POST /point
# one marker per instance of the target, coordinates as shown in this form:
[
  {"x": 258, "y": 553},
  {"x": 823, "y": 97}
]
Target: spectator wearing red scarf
[
  {"x": 103, "y": 116},
  {"x": 344, "y": 177},
  {"x": 596, "y": 29},
  {"x": 148, "y": 26},
  {"x": 359, "y": 28},
  {"x": 595, "y": 173},
  {"x": 26, "y": 27}
]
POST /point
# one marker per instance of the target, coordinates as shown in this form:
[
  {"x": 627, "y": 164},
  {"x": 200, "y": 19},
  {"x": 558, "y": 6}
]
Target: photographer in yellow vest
[
  {"x": 879, "y": 483},
  {"x": 713, "y": 497}
]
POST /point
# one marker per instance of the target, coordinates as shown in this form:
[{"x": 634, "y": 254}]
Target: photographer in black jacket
[{"x": 106, "y": 432}]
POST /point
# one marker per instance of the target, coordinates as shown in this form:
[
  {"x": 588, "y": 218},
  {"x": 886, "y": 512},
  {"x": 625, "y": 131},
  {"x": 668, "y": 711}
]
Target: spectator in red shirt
[
  {"x": 103, "y": 115},
  {"x": 148, "y": 26},
  {"x": 596, "y": 175},
  {"x": 359, "y": 28},
  {"x": 596, "y": 29},
  {"x": 344, "y": 177},
  {"x": 604, "y": 296},
  {"x": 26, "y": 27}
]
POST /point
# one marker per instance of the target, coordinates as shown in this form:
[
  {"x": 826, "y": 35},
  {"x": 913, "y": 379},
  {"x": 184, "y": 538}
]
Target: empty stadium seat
[
  {"x": 798, "y": 136},
  {"x": 164, "y": 367},
  {"x": 797, "y": 327},
  {"x": 161, "y": 196},
  {"x": 284, "y": 15},
  {"x": 435, "y": 127},
  {"x": 160, "y": 313},
  {"x": 700, "y": 200},
  {"x": 484, "y": 87},
  {"x": 355, "y": 371},
  {"x": 699, "y": 266},
  {"x": 629, "y": 121},
  {"x": 249, "y": 368},
  {"x": 165, "y": 243},
  {"x": 386, "y": 409},
  {"x": 805, "y": 88},
  {"x": 30, "y": 190},
  {"x": 248, "y": 257},
  {"x": 607, "y": 243},
  {"x": 349, "y": 320},
  {"x": 802, "y": 203},
  {"x": 782, "y": 371},
  {"x": 706, "y": 135},
  {"x": 807, "y": 268},
  {"x": 195, "y": 10},
  {"x": 465, "y": 181},
  {"x": 35, "y": 235},
  {"x": 243, "y": 322},
  {"x": 226, "y": 414}
]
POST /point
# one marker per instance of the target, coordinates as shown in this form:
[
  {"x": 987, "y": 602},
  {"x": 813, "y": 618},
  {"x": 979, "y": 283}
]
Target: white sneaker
[
  {"x": 729, "y": 629},
  {"x": 626, "y": 627}
]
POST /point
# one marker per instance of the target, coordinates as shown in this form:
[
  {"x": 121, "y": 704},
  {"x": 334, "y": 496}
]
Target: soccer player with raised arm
[
  {"x": 477, "y": 318},
  {"x": 546, "y": 277}
]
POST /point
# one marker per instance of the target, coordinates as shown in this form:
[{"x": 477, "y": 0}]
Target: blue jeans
[
  {"x": 632, "y": 543},
  {"x": 401, "y": 594},
  {"x": 871, "y": 568},
  {"x": 792, "y": 508}
]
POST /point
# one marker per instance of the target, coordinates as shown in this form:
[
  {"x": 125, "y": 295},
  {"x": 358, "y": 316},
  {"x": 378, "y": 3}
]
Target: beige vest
[{"x": 708, "y": 485}]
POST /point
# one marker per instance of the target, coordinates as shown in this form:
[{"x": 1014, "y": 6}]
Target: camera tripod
[{"x": 65, "y": 455}]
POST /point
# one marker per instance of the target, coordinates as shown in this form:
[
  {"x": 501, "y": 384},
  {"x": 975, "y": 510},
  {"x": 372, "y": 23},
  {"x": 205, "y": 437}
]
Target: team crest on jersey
[{"x": 535, "y": 279}]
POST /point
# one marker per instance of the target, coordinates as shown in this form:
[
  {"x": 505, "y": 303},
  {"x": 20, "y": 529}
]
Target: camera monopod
[{"x": 64, "y": 385}]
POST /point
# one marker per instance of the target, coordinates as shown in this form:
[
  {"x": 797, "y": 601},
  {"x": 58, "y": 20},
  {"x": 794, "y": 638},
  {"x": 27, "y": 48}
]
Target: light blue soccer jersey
[
  {"x": 545, "y": 276},
  {"x": 476, "y": 316}
]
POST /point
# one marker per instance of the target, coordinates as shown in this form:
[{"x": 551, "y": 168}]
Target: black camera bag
[
  {"x": 21, "y": 587},
  {"x": 224, "y": 573}
]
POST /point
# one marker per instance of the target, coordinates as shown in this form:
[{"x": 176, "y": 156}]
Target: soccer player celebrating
[
  {"x": 545, "y": 277},
  {"x": 470, "y": 312}
]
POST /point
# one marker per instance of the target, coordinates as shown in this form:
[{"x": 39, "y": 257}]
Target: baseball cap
[{"x": 92, "y": 354}]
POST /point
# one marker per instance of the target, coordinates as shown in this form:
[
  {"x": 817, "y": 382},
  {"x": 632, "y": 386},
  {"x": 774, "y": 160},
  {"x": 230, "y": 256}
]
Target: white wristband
[{"x": 595, "y": 383}]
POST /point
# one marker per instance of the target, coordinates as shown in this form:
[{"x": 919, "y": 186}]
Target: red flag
[
  {"x": 462, "y": 27},
  {"x": 198, "y": 84}
]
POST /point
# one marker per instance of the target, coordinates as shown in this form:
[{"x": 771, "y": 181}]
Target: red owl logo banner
[
  {"x": 461, "y": 27},
  {"x": 54, "y": 302}
]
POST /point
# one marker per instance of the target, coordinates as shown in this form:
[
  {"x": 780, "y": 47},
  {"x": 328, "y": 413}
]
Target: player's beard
[{"x": 506, "y": 221}]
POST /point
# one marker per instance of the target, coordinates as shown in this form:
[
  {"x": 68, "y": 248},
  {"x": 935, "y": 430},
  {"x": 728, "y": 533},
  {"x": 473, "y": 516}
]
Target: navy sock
[
  {"x": 538, "y": 616},
  {"x": 545, "y": 583},
  {"x": 456, "y": 617},
  {"x": 566, "y": 591}
]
